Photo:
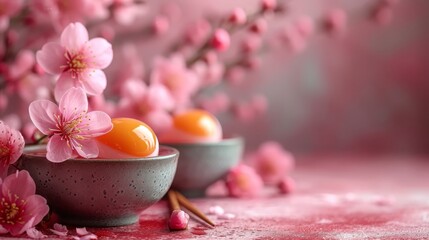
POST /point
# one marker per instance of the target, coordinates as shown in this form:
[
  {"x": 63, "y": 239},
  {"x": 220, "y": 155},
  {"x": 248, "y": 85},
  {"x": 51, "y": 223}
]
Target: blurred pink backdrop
[{"x": 366, "y": 91}]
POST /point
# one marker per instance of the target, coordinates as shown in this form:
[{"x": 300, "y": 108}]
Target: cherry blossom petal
[
  {"x": 97, "y": 124},
  {"x": 3, "y": 230},
  {"x": 87, "y": 148},
  {"x": 94, "y": 81},
  {"x": 42, "y": 113},
  {"x": 51, "y": 58},
  {"x": 73, "y": 103},
  {"x": 36, "y": 207},
  {"x": 19, "y": 229},
  {"x": 82, "y": 231},
  {"x": 22, "y": 179},
  {"x": 35, "y": 234},
  {"x": 59, "y": 230},
  {"x": 99, "y": 52},
  {"x": 64, "y": 83},
  {"x": 86, "y": 237},
  {"x": 74, "y": 37},
  {"x": 58, "y": 150}
]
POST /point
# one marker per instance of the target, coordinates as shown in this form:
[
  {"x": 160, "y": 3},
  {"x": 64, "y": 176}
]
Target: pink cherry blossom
[
  {"x": 77, "y": 60},
  {"x": 151, "y": 103},
  {"x": 11, "y": 147},
  {"x": 179, "y": 80},
  {"x": 272, "y": 162},
  {"x": 70, "y": 127},
  {"x": 20, "y": 208},
  {"x": 243, "y": 181}
]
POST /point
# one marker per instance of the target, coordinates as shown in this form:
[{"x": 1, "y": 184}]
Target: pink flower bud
[
  {"x": 160, "y": 25},
  {"x": 336, "y": 21},
  {"x": 178, "y": 220},
  {"x": 268, "y": 5},
  {"x": 286, "y": 185},
  {"x": 237, "y": 16},
  {"x": 221, "y": 40},
  {"x": 259, "y": 26}
]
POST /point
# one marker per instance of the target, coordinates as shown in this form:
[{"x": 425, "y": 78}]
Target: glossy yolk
[
  {"x": 196, "y": 122},
  {"x": 130, "y": 136}
]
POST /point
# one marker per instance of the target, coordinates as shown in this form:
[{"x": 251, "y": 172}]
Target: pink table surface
[{"x": 336, "y": 198}]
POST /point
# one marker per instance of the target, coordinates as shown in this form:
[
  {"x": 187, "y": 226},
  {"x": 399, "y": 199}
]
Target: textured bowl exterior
[
  {"x": 101, "y": 192},
  {"x": 202, "y": 164}
]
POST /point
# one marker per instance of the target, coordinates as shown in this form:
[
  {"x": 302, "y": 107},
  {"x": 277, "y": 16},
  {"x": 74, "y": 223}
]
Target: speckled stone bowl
[
  {"x": 101, "y": 192},
  {"x": 202, "y": 164}
]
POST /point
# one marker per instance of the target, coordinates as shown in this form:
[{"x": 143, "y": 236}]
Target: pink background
[{"x": 366, "y": 91}]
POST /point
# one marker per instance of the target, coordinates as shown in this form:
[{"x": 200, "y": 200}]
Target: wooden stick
[
  {"x": 172, "y": 199},
  {"x": 188, "y": 205}
]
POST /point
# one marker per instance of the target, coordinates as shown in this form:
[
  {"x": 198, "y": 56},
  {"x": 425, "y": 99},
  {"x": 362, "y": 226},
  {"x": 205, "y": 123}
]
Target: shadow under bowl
[
  {"x": 202, "y": 164},
  {"x": 100, "y": 192}
]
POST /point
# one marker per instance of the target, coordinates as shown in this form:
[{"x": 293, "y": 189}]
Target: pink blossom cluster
[
  {"x": 270, "y": 164},
  {"x": 209, "y": 55}
]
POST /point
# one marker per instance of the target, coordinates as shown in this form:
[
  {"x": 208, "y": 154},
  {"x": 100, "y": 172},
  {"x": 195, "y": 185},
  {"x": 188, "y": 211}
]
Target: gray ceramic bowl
[
  {"x": 101, "y": 192},
  {"x": 202, "y": 164}
]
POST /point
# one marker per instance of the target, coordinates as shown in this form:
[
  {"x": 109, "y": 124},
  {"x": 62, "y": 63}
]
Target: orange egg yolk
[
  {"x": 130, "y": 136},
  {"x": 196, "y": 122}
]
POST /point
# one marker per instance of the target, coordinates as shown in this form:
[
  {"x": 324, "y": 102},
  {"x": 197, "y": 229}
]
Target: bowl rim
[
  {"x": 172, "y": 153},
  {"x": 223, "y": 141}
]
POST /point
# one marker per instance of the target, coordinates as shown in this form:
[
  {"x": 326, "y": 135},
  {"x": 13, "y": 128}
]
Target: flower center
[
  {"x": 11, "y": 212},
  {"x": 4, "y": 151},
  {"x": 75, "y": 64},
  {"x": 69, "y": 129}
]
